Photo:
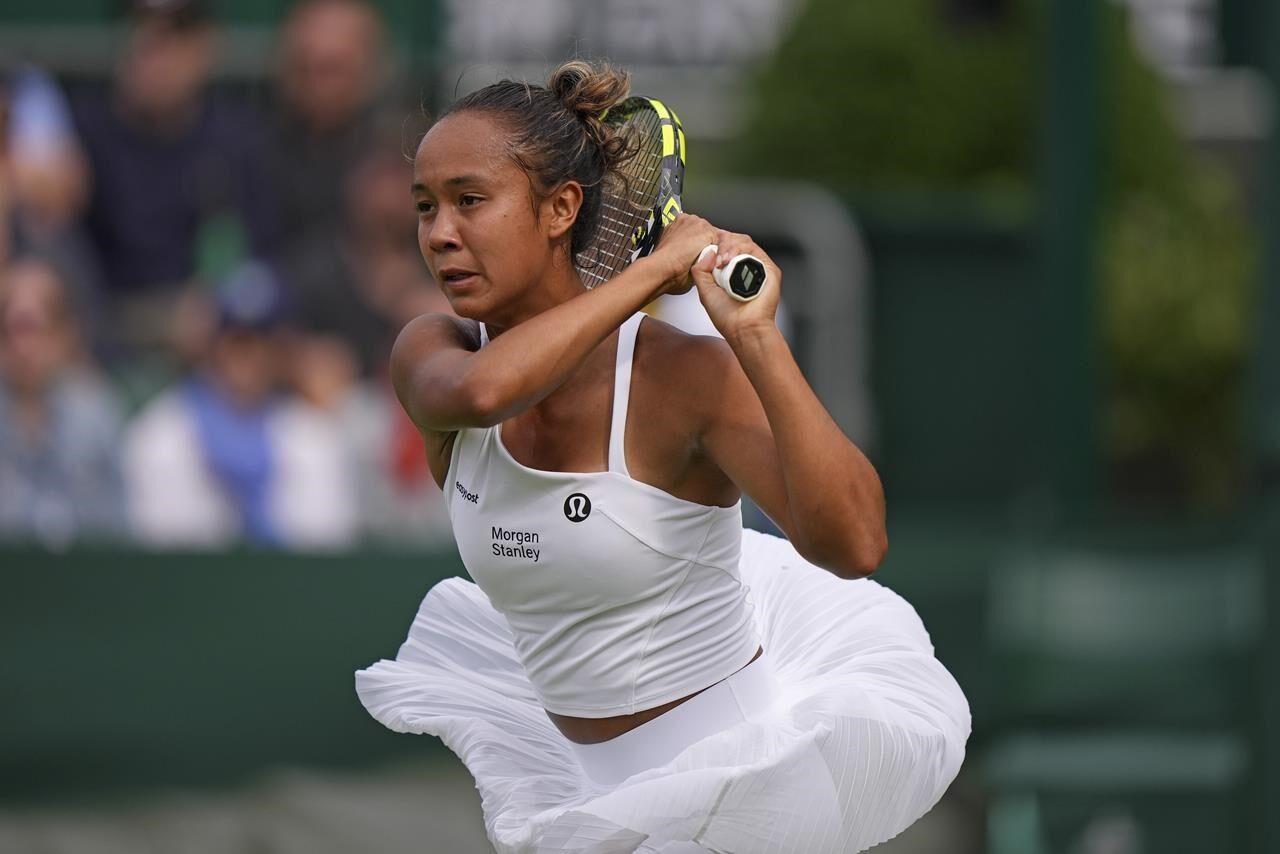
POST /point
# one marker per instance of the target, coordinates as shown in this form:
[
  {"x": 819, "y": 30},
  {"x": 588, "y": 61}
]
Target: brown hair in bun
[{"x": 557, "y": 132}]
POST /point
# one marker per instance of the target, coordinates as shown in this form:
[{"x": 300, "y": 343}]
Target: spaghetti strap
[
  {"x": 484, "y": 334},
  {"x": 622, "y": 394}
]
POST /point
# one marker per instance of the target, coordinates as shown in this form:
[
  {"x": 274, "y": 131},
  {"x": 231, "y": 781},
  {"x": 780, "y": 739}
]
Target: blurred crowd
[{"x": 199, "y": 292}]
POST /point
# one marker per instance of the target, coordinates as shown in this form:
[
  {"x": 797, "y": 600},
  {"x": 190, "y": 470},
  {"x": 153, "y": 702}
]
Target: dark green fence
[
  {"x": 957, "y": 356},
  {"x": 124, "y": 672}
]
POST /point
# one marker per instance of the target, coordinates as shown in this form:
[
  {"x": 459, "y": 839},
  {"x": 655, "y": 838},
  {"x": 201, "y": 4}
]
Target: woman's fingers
[{"x": 732, "y": 244}]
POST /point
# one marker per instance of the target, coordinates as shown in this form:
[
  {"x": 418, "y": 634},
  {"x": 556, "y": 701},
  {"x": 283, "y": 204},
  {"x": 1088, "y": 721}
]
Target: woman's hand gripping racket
[{"x": 635, "y": 209}]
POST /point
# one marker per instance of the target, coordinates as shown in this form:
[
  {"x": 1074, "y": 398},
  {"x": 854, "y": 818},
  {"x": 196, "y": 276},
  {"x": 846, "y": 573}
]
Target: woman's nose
[{"x": 443, "y": 233}]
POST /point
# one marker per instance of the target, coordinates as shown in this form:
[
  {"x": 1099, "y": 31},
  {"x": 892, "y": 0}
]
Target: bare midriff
[{"x": 596, "y": 730}]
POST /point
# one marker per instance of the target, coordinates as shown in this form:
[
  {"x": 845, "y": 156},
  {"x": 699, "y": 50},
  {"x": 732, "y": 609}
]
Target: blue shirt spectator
[{"x": 226, "y": 456}]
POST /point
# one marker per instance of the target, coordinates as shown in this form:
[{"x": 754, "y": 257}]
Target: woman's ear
[{"x": 560, "y": 209}]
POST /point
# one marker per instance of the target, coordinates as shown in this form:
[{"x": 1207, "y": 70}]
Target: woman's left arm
[{"x": 772, "y": 436}]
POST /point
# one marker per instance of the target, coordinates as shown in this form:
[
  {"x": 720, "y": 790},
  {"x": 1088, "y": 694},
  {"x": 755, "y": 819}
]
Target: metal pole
[
  {"x": 1071, "y": 150},
  {"x": 1266, "y": 416},
  {"x": 1265, "y": 423},
  {"x": 1264, "y": 802}
]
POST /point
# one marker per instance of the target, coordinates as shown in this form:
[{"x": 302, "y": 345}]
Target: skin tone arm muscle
[
  {"x": 771, "y": 435},
  {"x": 445, "y": 386}
]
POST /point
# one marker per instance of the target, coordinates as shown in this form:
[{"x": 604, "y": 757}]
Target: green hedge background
[{"x": 886, "y": 99}]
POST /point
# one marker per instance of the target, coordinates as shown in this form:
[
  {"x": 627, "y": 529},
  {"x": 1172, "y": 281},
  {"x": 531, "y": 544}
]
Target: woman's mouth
[{"x": 453, "y": 277}]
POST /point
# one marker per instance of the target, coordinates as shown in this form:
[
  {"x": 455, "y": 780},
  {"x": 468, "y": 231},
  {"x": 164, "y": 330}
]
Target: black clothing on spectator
[
  {"x": 309, "y": 172},
  {"x": 326, "y": 296},
  {"x": 153, "y": 190}
]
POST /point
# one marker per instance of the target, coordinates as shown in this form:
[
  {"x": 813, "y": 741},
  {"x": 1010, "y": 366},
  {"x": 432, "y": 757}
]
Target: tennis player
[{"x": 631, "y": 670}]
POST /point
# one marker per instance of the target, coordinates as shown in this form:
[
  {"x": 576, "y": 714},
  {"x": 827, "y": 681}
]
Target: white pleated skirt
[{"x": 839, "y": 737}]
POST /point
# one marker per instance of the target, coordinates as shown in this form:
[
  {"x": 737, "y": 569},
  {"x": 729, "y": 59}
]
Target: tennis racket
[{"x": 634, "y": 210}]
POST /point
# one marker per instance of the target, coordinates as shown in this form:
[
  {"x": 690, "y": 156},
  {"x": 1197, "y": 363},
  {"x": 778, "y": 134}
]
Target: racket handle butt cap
[{"x": 742, "y": 278}]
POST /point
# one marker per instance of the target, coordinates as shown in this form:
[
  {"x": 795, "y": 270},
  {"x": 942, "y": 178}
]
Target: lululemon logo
[{"x": 577, "y": 507}]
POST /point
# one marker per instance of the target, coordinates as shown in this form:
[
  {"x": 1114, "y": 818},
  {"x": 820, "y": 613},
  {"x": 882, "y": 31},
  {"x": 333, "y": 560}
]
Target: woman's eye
[
  {"x": 425, "y": 207},
  {"x": 468, "y": 200}
]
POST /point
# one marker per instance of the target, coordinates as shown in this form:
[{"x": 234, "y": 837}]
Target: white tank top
[{"x": 620, "y": 596}]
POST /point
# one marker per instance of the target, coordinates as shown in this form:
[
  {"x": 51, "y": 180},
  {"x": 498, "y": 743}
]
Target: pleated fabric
[{"x": 867, "y": 732}]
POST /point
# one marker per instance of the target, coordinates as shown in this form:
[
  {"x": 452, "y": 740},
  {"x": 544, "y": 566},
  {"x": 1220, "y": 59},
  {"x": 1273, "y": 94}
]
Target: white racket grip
[{"x": 742, "y": 278}]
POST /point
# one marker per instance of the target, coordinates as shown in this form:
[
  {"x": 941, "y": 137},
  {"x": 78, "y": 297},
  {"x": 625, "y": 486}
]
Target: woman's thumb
[{"x": 706, "y": 262}]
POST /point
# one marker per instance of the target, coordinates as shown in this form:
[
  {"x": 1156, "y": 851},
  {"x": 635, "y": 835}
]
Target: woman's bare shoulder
[
  {"x": 688, "y": 373},
  {"x": 428, "y": 334},
  {"x": 438, "y": 328},
  {"x": 665, "y": 351},
  {"x": 418, "y": 350}
]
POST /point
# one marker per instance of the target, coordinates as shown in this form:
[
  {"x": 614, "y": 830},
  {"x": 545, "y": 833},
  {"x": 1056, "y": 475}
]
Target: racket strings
[{"x": 627, "y": 201}]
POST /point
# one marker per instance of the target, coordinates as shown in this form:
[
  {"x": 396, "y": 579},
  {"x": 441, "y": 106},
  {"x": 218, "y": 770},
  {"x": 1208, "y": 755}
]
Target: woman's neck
[{"x": 560, "y": 284}]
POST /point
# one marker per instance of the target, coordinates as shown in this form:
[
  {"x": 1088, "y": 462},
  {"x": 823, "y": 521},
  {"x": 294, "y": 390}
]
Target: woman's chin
[
  {"x": 469, "y": 308},
  {"x": 464, "y": 304}
]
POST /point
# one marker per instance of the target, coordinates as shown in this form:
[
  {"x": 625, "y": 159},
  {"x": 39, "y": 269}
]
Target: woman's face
[{"x": 478, "y": 228}]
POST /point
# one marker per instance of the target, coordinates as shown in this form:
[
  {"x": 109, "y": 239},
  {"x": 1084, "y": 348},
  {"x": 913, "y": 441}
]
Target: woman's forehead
[{"x": 463, "y": 144}]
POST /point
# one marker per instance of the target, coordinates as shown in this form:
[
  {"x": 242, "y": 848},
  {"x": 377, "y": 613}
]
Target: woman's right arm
[{"x": 445, "y": 385}]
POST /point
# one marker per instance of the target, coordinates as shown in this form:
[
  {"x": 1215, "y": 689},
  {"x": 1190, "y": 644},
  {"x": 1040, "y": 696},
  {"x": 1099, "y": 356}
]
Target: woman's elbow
[
  {"x": 851, "y": 558},
  {"x": 867, "y": 556}
]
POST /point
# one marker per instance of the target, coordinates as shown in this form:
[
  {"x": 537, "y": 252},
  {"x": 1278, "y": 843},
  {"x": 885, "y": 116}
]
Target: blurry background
[{"x": 1033, "y": 267}]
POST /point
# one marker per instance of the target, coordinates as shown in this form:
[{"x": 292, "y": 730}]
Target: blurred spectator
[
  {"x": 354, "y": 289},
  {"x": 169, "y": 161},
  {"x": 226, "y": 456},
  {"x": 43, "y": 179},
  {"x": 46, "y": 167},
  {"x": 332, "y": 68},
  {"x": 59, "y": 424},
  {"x": 355, "y": 283},
  {"x": 399, "y": 502}
]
